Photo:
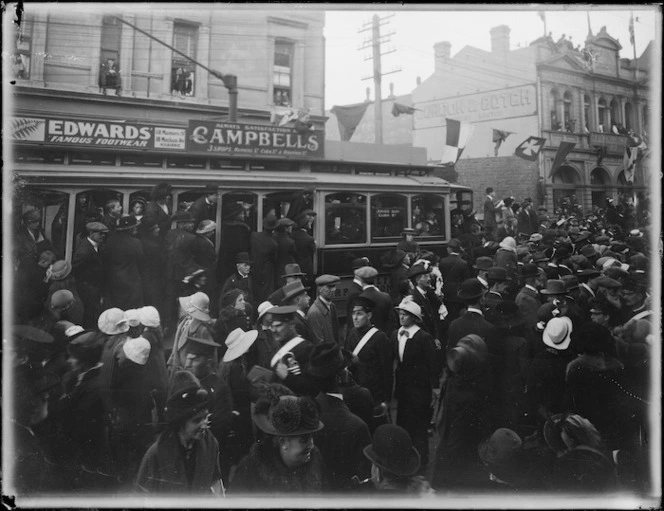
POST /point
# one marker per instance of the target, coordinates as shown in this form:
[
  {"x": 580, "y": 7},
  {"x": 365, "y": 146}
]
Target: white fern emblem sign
[{"x": 27, "y": 129}]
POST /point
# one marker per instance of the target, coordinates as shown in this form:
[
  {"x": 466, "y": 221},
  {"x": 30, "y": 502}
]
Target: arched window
[
  {"x": 554, "y": 99},
  {"x": 586, "y": 113},
  {"x": 615, "y": 119},
  {"x": 629, "y": 116},
  {"x": 602, "y": 114},
  {"x": 568, "y": 122}
]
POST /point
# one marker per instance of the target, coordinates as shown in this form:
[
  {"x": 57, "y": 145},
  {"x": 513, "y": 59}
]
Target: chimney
[
  {"x": 500, "y": 39},
  {"x": 442, "y": 52}
]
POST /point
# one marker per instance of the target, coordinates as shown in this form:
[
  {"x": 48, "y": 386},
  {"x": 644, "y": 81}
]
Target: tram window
[
  {"x": 345, "y": 218},
  {"x": 462, "y": 199},
  {"x": 428, "y": 217},
  {"x": 90, "y": 208},
  {"x": 54, "y": 208},
  {"x": 288, "y": 204},
  {"x": 226, "y": 164},
  {"x": 185, "y": 162},
  {"x": 388, "y": 217},
  {"x": 142, "y": 160},
  {"x": 30, "y": 155},
  {"x": 94, "y": 158},
  {"x": 248, "y": 203}
]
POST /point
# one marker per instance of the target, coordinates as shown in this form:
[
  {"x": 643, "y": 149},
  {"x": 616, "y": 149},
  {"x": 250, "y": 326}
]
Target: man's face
[
  {"x": 98, "y": 237},
  {"x": 212, "y": 198},
  {"x": 197, "y": 365},
  {"x": 281, "y": 330},
  {"x": 303, "y": 301},
  {"x": 327, "y": 291},
  {"x": 243, "y": 268},
  {"x": 361, "y": 318},
  {"x": 116, "y": 209},
  {"x": 424, "y": 281},
  {"x": 631, "y": 298},
  {"x": 406, "y": 319}
]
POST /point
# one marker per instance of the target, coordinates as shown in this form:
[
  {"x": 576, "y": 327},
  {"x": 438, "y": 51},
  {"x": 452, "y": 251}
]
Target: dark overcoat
[{"x": 122, "y": 260}]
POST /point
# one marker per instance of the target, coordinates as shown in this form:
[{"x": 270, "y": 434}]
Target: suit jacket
[
  {"x": 374, "y": 369},
  {"x": 430, "y": 304},
  {"x": 533, "y": 221},
  {"x": 286, "y": 254},
  {"x": 323, "y": 321},
  {"x": 122, "y": 260},
  {"x": 384, "y": 316},
  {"x": 398, "y": 275},
  {"x": 529, "y": 303},
  {"x": 341, "y": 442},
  {"x": 305, "y": 248},
  {"x": 468, "y": 323},
  {"x": 454, "y": 271},
  {"x": 201, "y": 210},
  {"x": 416, "y": 373},
  {"x": 86, "y": 266},
  {"x": 523, "y": 222},
  {"x": 489, "y": 215},
  {"x": 236, "y": 281},
  {"x": 355, "y": 289},
  {"x": 179, "y": 247},
  {"x": 264, "y": 258},
  {"x": 303, "y": 328},
  {"x": 152, "y": 209},
  {"x": 491, "y": 299}
]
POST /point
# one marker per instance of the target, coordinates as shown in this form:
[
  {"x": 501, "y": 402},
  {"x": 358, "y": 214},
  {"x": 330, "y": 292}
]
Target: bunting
[
  {"x": 629, "y": 160},
  {"x": 348, "y": 118},
  {"x": 458, "y": 135},
  {"x": 499, "y": 137},
  {"x": 563, "y": 150},
  {"x": 530, "y": 148}
]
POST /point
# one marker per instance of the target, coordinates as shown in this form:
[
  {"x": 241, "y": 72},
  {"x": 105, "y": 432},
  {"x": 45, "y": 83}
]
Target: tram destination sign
[
  {"x": 237, "y": 139},
  {"x": 95, "y": 133}
]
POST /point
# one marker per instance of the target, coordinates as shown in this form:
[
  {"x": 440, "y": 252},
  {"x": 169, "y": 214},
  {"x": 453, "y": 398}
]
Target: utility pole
[{"x": 375, "y": 42}]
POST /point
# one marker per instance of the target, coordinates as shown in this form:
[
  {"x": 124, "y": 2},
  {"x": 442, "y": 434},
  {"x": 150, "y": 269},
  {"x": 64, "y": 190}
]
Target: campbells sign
[
  {"x": 94, "y": 133},
  {"x": 237, "y": 139}
]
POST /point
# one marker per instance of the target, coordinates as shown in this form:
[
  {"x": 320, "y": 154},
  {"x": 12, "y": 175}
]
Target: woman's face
[
  {"x": 195, "y": 428},
  {"x": 137, "y": 208},
  {"x": 240, "y": 303},
  {"x": 296, "y": 450},
  {"x": 405, "y": 319}
]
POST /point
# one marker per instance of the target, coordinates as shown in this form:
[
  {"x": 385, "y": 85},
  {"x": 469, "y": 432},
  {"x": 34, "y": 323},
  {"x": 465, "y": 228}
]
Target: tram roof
[{"x": 355, "y": 152}]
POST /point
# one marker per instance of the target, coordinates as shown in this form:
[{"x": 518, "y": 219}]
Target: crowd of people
[{"x": 518, "y": 361}]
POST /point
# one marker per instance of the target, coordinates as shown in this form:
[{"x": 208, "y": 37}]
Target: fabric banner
[
  {"x": 629, "y": 159},
  {"x": 530, "y": 148},
  {"x": 563, "y": 150},
  {"x": 458, "y": 134},
  {"x": 499, "y": 137},
  {"x": 398, "y": 109},
  {"x": 349, "y": 117}
]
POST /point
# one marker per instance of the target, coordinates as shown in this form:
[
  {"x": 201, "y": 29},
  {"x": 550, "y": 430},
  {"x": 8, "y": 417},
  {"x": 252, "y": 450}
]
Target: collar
[
  {"x": 327, "y": 303},
  {"x": 483, "y": 282},
  {"x": 369, "y": 286},
  {"x": 334, "y": 394},
  {"x": 359, "y": 283},
  {"x": 583, "y": 284},
  {"x": 476, "y": 311},
  {"x": 412, "y": 330},
  {"x": 242, "y": 275},
  {"x": 453, "y": 253},
  {"x": 207, "y": 201},
  {"x": 301, "y": 313},
  {"x": 495, "y": 293},
  {"x": 423, "y": 292},
  {"x": 640, "y": 309},
  {"x": 528, "y": 286},
  {"x": 82, "y": 375},
  {"x": 93, "y": 243}
]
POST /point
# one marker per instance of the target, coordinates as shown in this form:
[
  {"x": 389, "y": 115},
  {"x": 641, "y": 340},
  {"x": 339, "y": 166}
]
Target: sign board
[
  {"x": 236, "y": 139},
  {"x": 483, "y": 106},
  {"x": 613, "y": 143},
  {"x": 95, "y": 133}
]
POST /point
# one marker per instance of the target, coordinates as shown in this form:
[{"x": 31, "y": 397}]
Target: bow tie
[{"x": 404, "y": 333}]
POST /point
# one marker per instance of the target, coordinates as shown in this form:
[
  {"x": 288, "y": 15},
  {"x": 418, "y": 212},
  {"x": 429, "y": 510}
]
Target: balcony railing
[{"x": 613, "y": 143}]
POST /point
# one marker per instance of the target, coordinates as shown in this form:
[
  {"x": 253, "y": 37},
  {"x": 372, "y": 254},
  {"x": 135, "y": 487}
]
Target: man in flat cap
[
  {"x": 322, "y": 315},
  {"x": 87, "y": 268},
  {"x": 384, "y": 315},
  {"x": 357, "y": 285}
]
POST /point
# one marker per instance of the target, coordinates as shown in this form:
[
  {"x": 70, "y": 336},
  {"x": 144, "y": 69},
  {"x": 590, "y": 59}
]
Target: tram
[{"x": 361, "y": 207}]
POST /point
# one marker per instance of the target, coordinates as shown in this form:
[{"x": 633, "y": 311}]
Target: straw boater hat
[
  {"x": 263, "y": 309},
  {"x": 62, "y": 300},
  {"x": 392, "y": 450},
  {"x": 289, "y": 416},
  {"x": 60, "y": 270},
  {"x": 197, "y": 306},
  {"x": 206, "y": 226},
  {"x": 238, "y": 342}
]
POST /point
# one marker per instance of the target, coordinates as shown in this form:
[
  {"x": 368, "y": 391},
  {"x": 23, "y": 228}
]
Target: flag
[
  {"x": 563, "y": 150},
  {"x": 530, "y": 148},
  {"x": 282, "y": 116},
  {"x": 398, "y": 109},
  {"x": 458, "y": 134},
  {"x": 499, "y": 137},
  {"x": 601, "y": 153},
  {"x": 542, "y": 15},
  {"x": 631, "y": 29},
  {"x": 348, "y": 117},
  {"x": 629, "y": 158}
]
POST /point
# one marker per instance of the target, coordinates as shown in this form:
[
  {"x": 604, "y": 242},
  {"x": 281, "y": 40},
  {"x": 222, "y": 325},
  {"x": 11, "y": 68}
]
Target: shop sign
[
  {"x": 94, "y": 133},
  {"x": 613, "y": 143},
  {"x": 236, "y": 139},
  {"x": 483, "y": 106}
]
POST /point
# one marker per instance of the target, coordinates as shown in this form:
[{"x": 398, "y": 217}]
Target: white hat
[
  {"x": 113, "y": 321},
  {"x": 137, "y": 350},
  {"x": 411, "y": 307},
  {"x": 73, "y": 330},
  {"x": 508, "y": 243},
  {"x": 149, "y": 316},
  {"x": 197, "y": 306},
  {"x": 238, "y": 342},
  {"x": 558, "y": 333},
  {"x": 133, "y": 318},
  {"x": 263, "y": 309}
]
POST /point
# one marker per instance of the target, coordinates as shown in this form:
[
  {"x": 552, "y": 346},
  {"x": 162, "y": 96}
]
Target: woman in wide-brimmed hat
[
  {"x": 59, "y": 277},
  {"x": 285, "y": 459},
  {"x": 195, "y": 321},
  {"x": 185, "y": 457},
  {"x": 395, "y": 462}
]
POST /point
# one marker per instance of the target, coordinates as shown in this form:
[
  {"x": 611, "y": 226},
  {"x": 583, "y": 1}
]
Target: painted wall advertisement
[
  {"x": 236, "y": 139},
  {"x": 95, "y": 133}
]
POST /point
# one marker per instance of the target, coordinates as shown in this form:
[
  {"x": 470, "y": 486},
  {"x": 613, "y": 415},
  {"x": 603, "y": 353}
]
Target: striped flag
[
  {"x": 563, "y": 150},
  {"x": 631, "y": 29},
  {"x": 458, "y": 135}
]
